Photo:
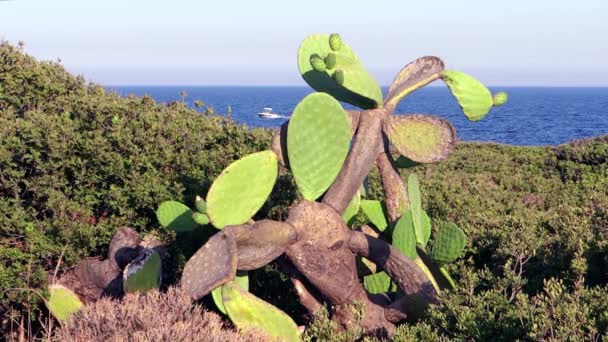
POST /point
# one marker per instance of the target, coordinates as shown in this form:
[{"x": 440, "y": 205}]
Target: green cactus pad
[
  {"x": 62, "y": 302},
  {"x": 335, "y": 41},
  {"x": 241, "y": 189},
  {"x": 425, "y": 230},
  {"x": 405, "y": 162},
  {"x": 212, "y": 265},
  {"x": 246, "y": 311},
  {"x": 376, "y": 212},
  {"x": 242, "y": 280},
  {"x": 421, "y": 138},
  {"x": 317, "y": 143},
  {"x": 201, "y": 205},
  {"x": 201, "y": 219},
  {"x": 330, "y": 61},
  {"x": 422, "y": 229},
  {"x": 353, "y": 207},
  {"x": 377, "y": 283},
  {"x": 317, "y": 63},
  {"x": 358, "y": 88},
  {"x": 404, "y": 237},
  {"x": 413, "y": 76},
  {"x": 500, "y": 99},
  {"x": 143, "y": 273},
  {"x": 472, "y": 96},
  {"x": 449, "y": 244},
  {"x": 447, "y": 277},
  {"x": 175, "y": 216}
]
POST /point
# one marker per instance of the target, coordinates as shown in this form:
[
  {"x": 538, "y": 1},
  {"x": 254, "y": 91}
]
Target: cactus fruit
[
  {"x": 317, "y": 143},
  {"x": 357, "y": 87},
  {"x": 201, "y": 205},
  {"x": 472, "y": 96},
  {"x": 421, "y": 138},
  {"x": 62, "y": 302},
  {"x": 335, "y": 41},
  {"x": 241, "y": 279},
  {"x": 175, "y": 216},
  {"x": 376, "y": 212},
  {"x": 404, "y": 237},
  {"x": 413, "y": 76},
  {"x": 449, "y": 244},
  {"x": 353, "y": 207},
  {"x": 317, "y": 63},
  {"x": 338, "y": 76},
  {"x": 241, "y": 189},
  {"x": 330, "y": 61},
  {"x": 200, "y": 218},
  {"x": 246, "y": 311},
  {"x": 500, "y": 98},
  {"x": 143, "y": 273}
]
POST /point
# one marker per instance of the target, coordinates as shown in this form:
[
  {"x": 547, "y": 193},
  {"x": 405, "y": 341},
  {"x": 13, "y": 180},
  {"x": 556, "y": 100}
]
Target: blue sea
[{"x": 533, "y": 115}]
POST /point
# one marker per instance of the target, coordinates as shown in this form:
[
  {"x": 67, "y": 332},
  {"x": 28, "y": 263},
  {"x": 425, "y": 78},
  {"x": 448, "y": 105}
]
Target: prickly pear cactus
[
  {"x": 346, "y": 79},
  {"x": 175, "y": 216},
  {"x": 404, "y": 237},
  {"x": 247, "y": 311},
  {"x": 144, "y": 273},
  {"x": 474, "y": 98},
  {"x": 449, "y": 244},
  {"x": 241, "y": 189},
  {"x": 500, "y": 98},
  {"x": 317, "y": 143},
  {"x": 376, "y": 213},
  {"x": 421, "y": 227},
  {"x": 62, "y": 302},
  {"x": 241, "y": 279},
  {"x": 353, "y": 207}
]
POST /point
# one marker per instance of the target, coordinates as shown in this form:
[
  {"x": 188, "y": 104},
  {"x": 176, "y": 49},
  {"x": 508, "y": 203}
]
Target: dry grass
[{"x": 154, "y": 316}]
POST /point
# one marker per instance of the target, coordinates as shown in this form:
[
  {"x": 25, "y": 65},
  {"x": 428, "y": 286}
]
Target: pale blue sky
[{"x": 222, "y": 42}]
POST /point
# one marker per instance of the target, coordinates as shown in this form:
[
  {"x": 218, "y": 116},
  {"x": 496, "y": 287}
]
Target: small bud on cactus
[
  {"x": 500, "y": 98},
  {"x": 330, "y": 61},
  {"x": 335, "y": 41},
  {"x": 200, "y": 218},
  {"x": 339, "y": 77},
  {"x": 201, "y": 205},
  {"x": 317, "y": 63}
]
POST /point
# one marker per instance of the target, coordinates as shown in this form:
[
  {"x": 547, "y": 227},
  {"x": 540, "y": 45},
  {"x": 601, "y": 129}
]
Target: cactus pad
[
  {"x": 242, "y": 280},
  {"x": 358, "y": 86},
  {"x": 404, "y": 237},
  {"x": 201, "y": 219},
  {"x": 175, "y": 216},
  {"x": 317, "y": 143},
  {"x": 62, "y": 302},
  {"x": 143, "y": 273},
  {"x": 421, "y": 138},
  {"x": 353, "y": 207},
  {"x": 413, "y": 76},
  {"x": 472, "y": 96},
  {"x": 500, "y": 99},
  {"x": 449, "y": 244},
  {"x": 241, "y": 189},
  {"x": 376, "y": 212},
  {"x": 422, "y": 229},
  {"x": 377, "y": 283},
  {"x": 211, "y": 266},
  {"x": 247, "y": 311}
]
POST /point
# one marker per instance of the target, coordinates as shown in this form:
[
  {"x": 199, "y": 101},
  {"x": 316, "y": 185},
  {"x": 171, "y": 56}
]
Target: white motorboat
[{"x": 268, "y": 114}]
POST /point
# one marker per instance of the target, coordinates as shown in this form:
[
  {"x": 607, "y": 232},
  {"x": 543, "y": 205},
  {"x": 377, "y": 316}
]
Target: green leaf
[
  {"x": 377, "y": 283},
  {"x": 242, "y": 280},
  {"x": 472, "y": 96},
  {"x": 175, "y": 216},
  {"x": 241, "y": 189},
  {"x": 404, "y": 237},
  {"x": 247, "y": 311},
  {"x": 449, "y": 244},
  {"x": 376, "y": 212},
  {"x": 318, "y": 141},
  {"x": 62, "y": 302},
  {"x": 353, "y": 207},
  {"x": 143, "y": 273},
  {"x": 413, "y": 191}
]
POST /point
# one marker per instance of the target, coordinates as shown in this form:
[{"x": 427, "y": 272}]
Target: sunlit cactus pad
[
  {"x": 241, "y": 189},
  {"x": 377, "y": 283},
  {"x": 404, "y": 237},
  {"x": 500, "y": 98},
  {"x": 241, "y": 280},
  {"x": 449, "y": 244},
  {"x": 421, "y": 138},
  {"x": 175, "y": 216},
  {"x": 353, "y": 207},
  {"x": 246, "y": 311},
  {"x": 376, "y": 212},
  {"x": 344, "y": 77},
  {"x": 472, "y": 96},
  {"x": 143, "y": 273},
  {"x": 62, "y": 302},
  {"x": 317, "y": 143}
]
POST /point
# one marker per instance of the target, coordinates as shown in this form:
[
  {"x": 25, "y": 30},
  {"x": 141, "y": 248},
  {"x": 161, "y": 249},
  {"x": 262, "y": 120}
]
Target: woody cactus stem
[{"x": 366, "y": 148}]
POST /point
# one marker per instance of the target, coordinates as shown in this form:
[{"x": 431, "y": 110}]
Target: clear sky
[{"x": 228, "y": 42}]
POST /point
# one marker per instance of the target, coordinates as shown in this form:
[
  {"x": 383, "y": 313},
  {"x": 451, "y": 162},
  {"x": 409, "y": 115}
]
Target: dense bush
[{"x": 77, "y": 162}]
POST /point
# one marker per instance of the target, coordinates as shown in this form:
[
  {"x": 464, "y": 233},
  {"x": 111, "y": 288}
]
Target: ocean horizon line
[{"x": 306, "y": 86}]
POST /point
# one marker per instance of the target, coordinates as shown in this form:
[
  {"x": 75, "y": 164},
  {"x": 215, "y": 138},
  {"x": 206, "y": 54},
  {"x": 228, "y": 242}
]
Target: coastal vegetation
[{"x": 78, "y": 162}]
